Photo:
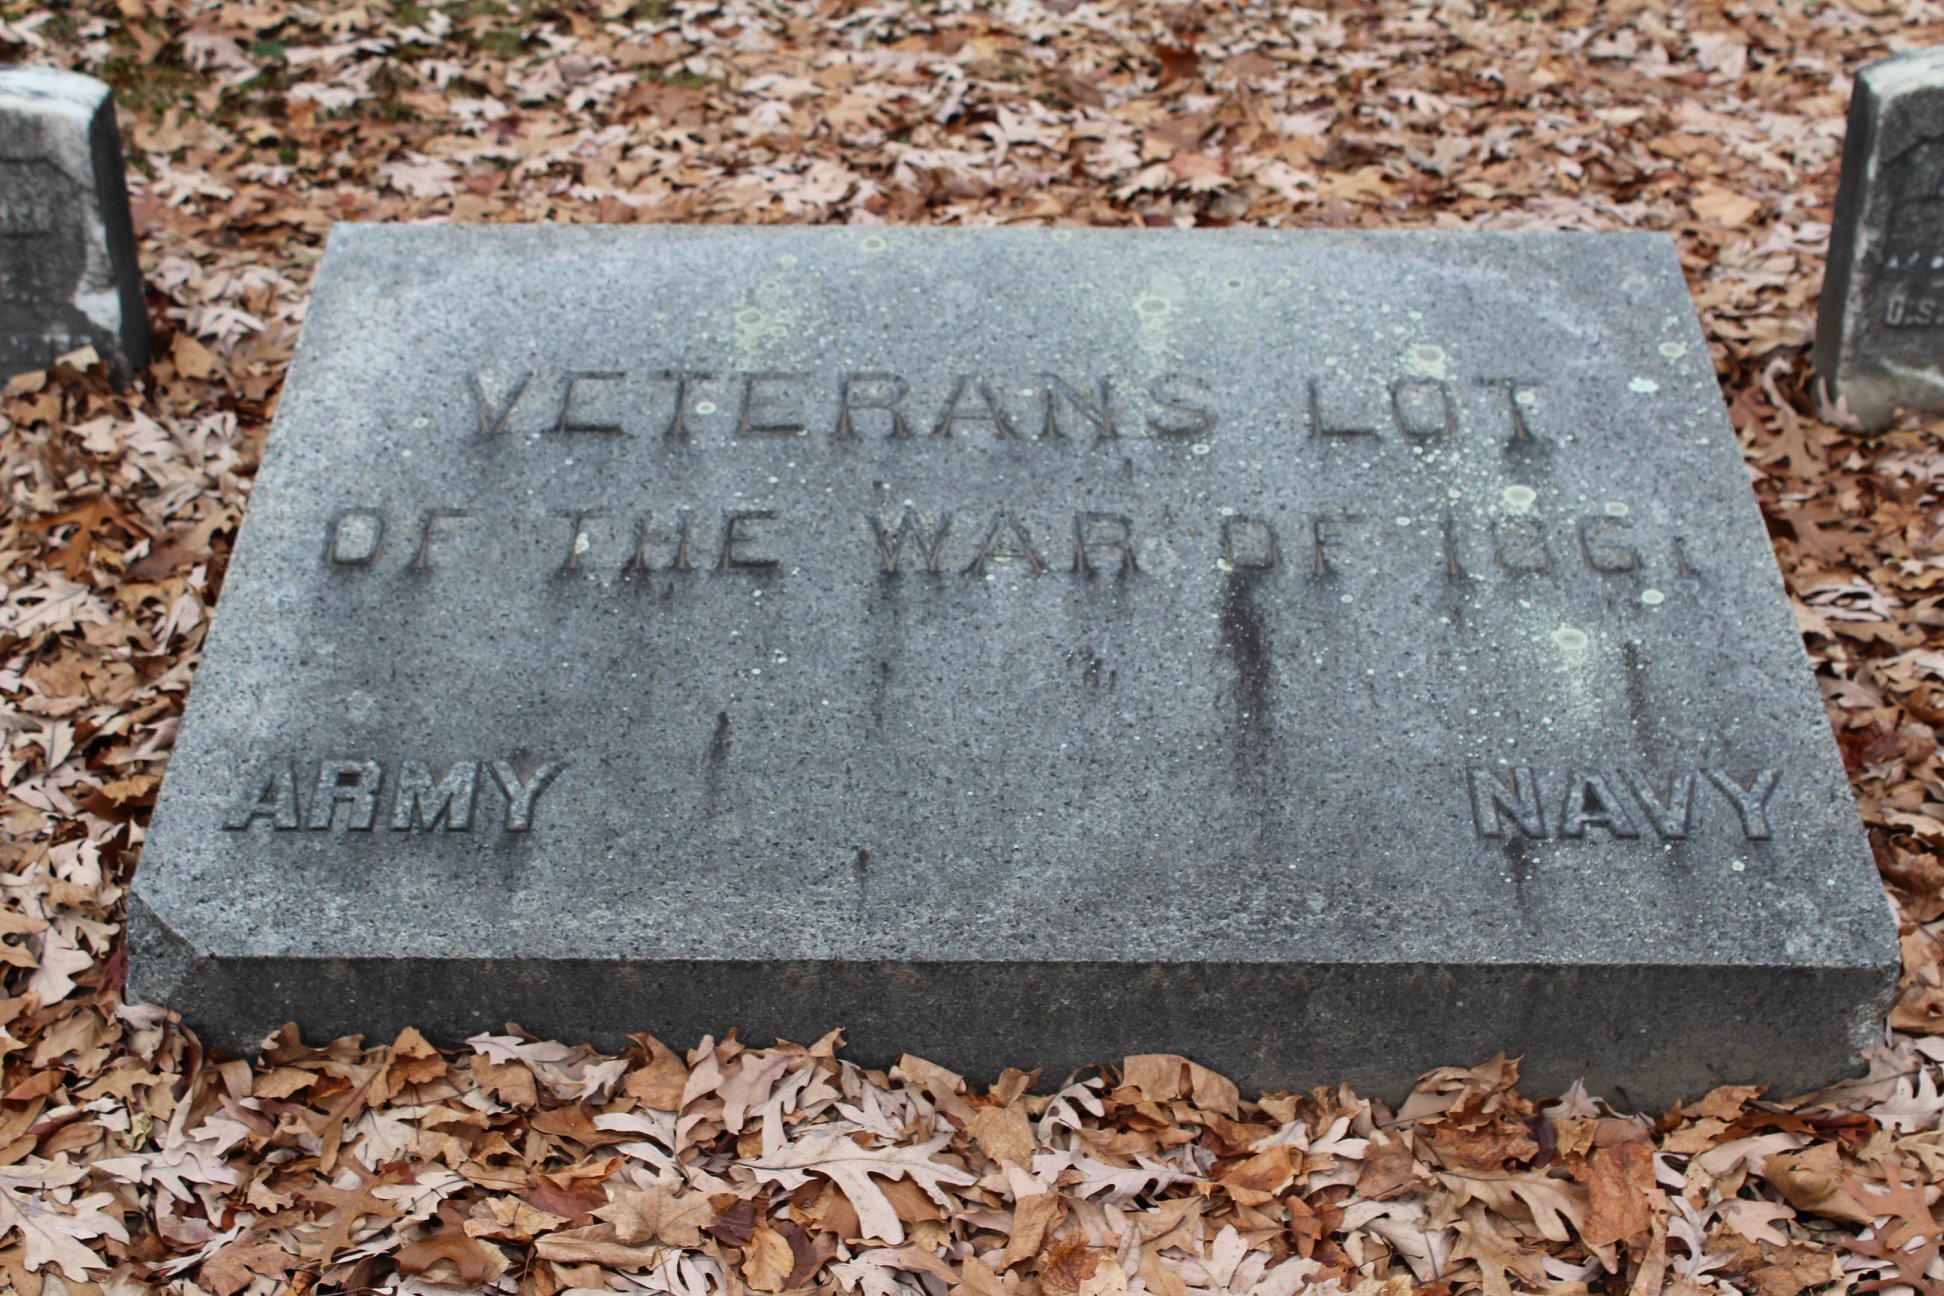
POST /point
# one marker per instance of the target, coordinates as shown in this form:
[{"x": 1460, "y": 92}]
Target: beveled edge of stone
[
  {"x": 75, "y": 95},
  {"x": 1268, "y": 1027},
  {"x": 1911, "y": 70}
]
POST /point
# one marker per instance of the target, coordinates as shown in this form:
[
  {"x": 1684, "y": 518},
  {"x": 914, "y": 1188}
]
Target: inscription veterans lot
[{"x": 1322, "y": 654}]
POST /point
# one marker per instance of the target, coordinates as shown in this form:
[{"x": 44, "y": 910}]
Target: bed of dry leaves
[{"x": 130, "y": 1159}]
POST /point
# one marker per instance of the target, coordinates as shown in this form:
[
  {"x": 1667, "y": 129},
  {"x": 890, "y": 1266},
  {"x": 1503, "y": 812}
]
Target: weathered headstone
[
  {"x": 1328, "y": 655},
  {"x": 1880, "y": 326},
  {"x": 68, "y": 274}
]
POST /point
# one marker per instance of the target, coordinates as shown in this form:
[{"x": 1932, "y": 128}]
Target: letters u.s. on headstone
[{"x": 1880, "y": 327}]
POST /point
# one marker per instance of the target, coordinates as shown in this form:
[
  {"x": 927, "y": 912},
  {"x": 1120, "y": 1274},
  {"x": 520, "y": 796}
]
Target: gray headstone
[
  {"x": 1328, "y": 655},
  {"x": 1880, "y": 326},
  {"x": 68, "y": 274}
]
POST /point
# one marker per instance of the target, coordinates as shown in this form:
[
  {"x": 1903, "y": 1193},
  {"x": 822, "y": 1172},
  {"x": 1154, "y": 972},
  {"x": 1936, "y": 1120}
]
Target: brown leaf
[
  {"x": 658, "y": 1083},
  {"x": 1389, "y": 1168},
  {"x": 811, "y": 1254},
  {"x": 1723, "y": 207},
  {"x": 471, "y": 1257},
  {"x": 1178, "y": 63},
  {"x": 596, "y": 1244},
  {"x": 1258, "y": 1179},
  {"x": 511, "y": 1082},
  {"x": 1004, "y": 1134},
  {"x": 1069, "y": 1264},
  {"x": 911, "y": 1202},
  {"x": 575, "y": 1201},
  {"x": 658, "y": 1214},
  {"x": 735, "y": 1226},
  {"x": 1812, "y": 1180},
  {"x": 1197, "y": 166},
  {"x": 1908, "y": 1237},
  {"x": 192, "y": 358},
  {"x": 237, "y": 1264},
  {"x": 1483, "y": 1239},
  {"x": 1163, "y": 1077},
  {"x": 1784, "y": 1270},
  {"x": 509, "y": 1219},
  {"x": 411, "y": 1061},
  {"x": 767, "y": 1260},
  {"x": 1726, "y": 1102},
  {"x": 1491, "y": 1147},
  {"x": 1033, "y": 1216},
  {"x": 1622, "y": 1196}
]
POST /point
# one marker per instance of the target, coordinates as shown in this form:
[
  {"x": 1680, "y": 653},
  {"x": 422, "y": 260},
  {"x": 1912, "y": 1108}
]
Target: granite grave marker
[
  {"x": 1880, "y": 325},
  {"x": 1328, "y": 655},
  {"x": 68, "y": 274}
]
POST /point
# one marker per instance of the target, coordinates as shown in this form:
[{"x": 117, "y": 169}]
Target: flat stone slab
[
  {"x": 1327, "y": 655},
  {"x": 68, "y": 273}
]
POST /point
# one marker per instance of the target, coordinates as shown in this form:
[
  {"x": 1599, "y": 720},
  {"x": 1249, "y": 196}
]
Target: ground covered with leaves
[{"x": 132, "y": 1159}]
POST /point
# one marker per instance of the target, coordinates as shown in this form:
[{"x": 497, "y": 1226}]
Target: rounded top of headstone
[
  {"x": 1912, "y": 70},
  {"x": 46, "y": 89}
]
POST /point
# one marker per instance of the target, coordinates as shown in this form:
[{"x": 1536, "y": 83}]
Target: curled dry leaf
[
  {"x": 1813, "y": 1180},
  {"x": 659, "y": 1215}
]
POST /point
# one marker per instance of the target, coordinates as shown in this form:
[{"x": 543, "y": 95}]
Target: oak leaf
[
  {"x": 1489, "y": 1148},
  {"x": 1390, "y": 1168},
  {"x": 1812, "y": 1180},
  {"x": 597, "y": 1244},
  {"x": 1907, "y": 1240},
  {"x": 767, "y": 1260},
  {"x": 1723, "y": 207},
  {"x": 1069, "y": 1264},
  {"x": 1258, "y": 1179},
  {"x": 192, "y": 358},
  {"x": 1621, "y": 1195},
  {"x": 657, "y": 1084},
  {"x": 33, "y": 1199},
  {"x": 1034, "y": 1216},
  {"x": 1495, "y": 1252},
  {"x": 410, "y": 1061},
  {"x": 1784, "y": 1270},
  {"x": 241, "y": 1262},
  {"x": 1552, "y": 1203},
  {"x": 1163, "y": 1077},
  {"x": 1726, "y": 1102},
  {"x": 659, "y": 1215},
  {"x": 1120, "y": 1185},
  {"x": 510, "y": 1219},
  {"x": 811, "y": 1254},
  {"x": 450, "y": 1242},
  {"x": 829, "y": 1151},
  {"x": 1004, "y": 1134}
]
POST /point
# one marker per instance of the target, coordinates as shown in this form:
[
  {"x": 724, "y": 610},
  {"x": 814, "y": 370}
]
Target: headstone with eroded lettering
[
  {"x": 1327, "y": 655},
  {"x": 68, "y": 274},
  {"x": 1880, "y": 326}
]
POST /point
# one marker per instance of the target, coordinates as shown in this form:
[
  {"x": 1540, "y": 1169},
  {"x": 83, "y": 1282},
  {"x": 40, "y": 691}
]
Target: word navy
[{"x": 1592, "y": 799}]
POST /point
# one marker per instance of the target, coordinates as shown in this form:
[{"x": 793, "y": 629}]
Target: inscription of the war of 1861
[
  {"x": 1325, "y": 655},
  {"x": 68, "y": 275},
  {"x": 1880, "y": 325}
]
